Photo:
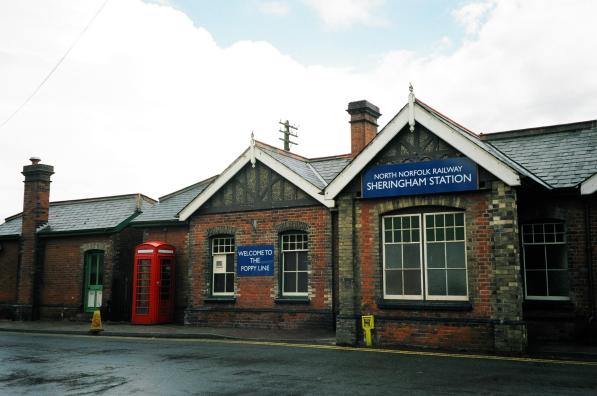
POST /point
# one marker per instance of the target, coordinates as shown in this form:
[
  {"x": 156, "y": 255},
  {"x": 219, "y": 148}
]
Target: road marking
[{"x": 330, "y": 347}]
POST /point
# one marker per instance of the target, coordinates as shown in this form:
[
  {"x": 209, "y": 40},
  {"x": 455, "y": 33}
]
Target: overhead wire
[{"x": 47, "y": 77}]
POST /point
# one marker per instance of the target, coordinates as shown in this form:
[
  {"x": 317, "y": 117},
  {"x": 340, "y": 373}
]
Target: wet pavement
[{"x": 49, "y": 364}]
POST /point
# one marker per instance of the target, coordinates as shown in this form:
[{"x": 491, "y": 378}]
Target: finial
[
  {"x": 411, "y": 107},
  {"x": 35, "y": 160},
  {"x": 253, "y": 160}
]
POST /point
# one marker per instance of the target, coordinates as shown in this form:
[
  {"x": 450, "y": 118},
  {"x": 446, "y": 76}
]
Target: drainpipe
[{"x": 589, "y": 254}]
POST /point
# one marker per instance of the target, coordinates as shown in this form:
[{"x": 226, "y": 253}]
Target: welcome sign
[
  {"x": 256, "y": 260},
  {"x": 428, "y": 177}
]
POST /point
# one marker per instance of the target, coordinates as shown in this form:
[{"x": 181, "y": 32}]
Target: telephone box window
[
  {"x": 545, "y": 261},
  {"x": 223, "y": 266},
  {"x": 295, "y": 264}
]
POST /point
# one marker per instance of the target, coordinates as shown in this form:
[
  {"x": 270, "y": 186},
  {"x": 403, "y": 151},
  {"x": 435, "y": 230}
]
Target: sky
[{"x": 157, "y": 95}]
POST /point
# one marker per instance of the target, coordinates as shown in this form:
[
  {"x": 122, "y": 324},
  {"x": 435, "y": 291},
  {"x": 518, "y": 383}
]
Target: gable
[
  {"x": 420, "y": 145},
  {"x": 447, "y": 132},
  {"x": 254, "y": 188}
]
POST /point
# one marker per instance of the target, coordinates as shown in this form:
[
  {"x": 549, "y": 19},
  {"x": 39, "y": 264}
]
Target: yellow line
[{"x": 340, "y": 348}]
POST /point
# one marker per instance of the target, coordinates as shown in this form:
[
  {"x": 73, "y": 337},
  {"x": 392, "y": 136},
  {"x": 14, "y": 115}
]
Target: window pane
[
  {"x": 93, "y": 270},
  {"x": 219, "y": 283},
  {"x": 455, "y": 255},
  {"x": 405, "y": 236},
  {"x": 459, "y": 234},
  {"x": 406, "y": 222},
  {"x": 387, "y": 223},
  {"x": 536, "y": 283},
  {"x": 100, "y": 268},
  {"x": 449, "y": 234},
  {"x": 436, "y": 255},
  {"x": 457, "y": 283},
  {"x": 290, "y": 282},
  {"x": 459, "y": 219},
  {"x": 437, "y": 282},
  {"x": 290, "y": 261},
  {"x": 558, "y": 283},
  {"x": 412, "y": 282},
  {"x": 393, "y": 256},
  {"x": 534, "y": 257},
  {"x": 388, "y": 236},
  {"x": 450, "y": 219},
  {"x": 393, "y": 282},
  {"x": 229, "y": 263},
  {"x": 302, "y": 261},
  {"x": 430, "y": 235},
  {"x": 439, "y": 234},
  {"x": 556, "y": 257},
  {"x": 415, "y": 221},
  {"x": 230, "y": 283},
  {"x": 302, "y": 282},
  {"x": 397, "y": 236},
  {"x": 415, "y": 236},
  {"x": 429, "y": 221},
  {"x": 412, "y": 257},
  {"x": 439, "y": 220}
]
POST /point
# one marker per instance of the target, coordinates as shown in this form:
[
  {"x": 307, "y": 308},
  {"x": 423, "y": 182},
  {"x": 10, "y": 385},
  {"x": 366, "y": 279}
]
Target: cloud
[
  {"x": 275, "y": 8},
  {"x": 472, "y": 15},
  {"x": 148, "y": 102},
  {"x": 344, "y": 14}
]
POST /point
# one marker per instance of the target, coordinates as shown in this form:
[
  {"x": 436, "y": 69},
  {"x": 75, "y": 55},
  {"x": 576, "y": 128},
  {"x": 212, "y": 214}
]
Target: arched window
[
  {"x": 222, "y": 253},
  {"x": 295, "y": 263},
  {"x": 424, "y": 256},
  {"x": 545, "y": 261}
]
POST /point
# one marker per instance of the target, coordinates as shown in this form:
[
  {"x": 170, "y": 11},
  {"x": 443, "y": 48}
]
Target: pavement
[{"x": 585, "y": 350}]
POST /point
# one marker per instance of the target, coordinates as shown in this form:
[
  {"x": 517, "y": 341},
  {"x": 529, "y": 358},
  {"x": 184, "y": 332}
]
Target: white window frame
[
  {"x": 228, "y": 249},
  {"x": 423, "y": 260},
  {"x": 545, "y": 270},
  {"x": 283, "y": 271}
]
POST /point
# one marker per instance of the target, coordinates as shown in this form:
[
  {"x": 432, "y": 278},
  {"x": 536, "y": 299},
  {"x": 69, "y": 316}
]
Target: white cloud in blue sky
[{"x": 157, "y": 96}]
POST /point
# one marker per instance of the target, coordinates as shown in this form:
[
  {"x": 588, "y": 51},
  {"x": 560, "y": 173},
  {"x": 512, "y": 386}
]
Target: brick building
[
  {"x": 63, "y": 259},
  {"x": 450, "y": 239}
]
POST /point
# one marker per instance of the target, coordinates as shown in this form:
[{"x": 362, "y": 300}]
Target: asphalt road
[{"x": 81, "y": 365}]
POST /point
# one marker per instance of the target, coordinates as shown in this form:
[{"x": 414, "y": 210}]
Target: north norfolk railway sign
[{"x": 428, "y": 177}]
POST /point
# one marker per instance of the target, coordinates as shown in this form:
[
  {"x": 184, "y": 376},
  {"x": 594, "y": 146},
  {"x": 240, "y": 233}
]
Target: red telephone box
[{"x": 153, "y": 283}]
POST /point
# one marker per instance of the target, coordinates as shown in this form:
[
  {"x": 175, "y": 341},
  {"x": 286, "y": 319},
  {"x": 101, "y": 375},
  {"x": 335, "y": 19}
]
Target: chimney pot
[
  {"x": 363, "y": 124},
  {"x": 35, "y": 160}
]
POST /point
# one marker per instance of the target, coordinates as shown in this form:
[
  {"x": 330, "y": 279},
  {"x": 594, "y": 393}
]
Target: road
[{"x": 82, "y": 365}]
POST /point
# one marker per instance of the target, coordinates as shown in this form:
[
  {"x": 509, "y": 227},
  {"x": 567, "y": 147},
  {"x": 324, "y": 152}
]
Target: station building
[{"x": 448, "y": 238}]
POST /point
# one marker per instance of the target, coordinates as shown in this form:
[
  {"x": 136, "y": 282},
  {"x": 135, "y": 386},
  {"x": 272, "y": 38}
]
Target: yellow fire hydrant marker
[
  {"x": 368, "y": 325},
  {"x": 96, "y": 322}
]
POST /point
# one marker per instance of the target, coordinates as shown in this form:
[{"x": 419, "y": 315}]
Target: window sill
[
  {"x": 559, "y": 305},
  {"x": 220, "y": 299},
  {"x": 426, "y": 305},
  {"x": 293, "y": 300}
]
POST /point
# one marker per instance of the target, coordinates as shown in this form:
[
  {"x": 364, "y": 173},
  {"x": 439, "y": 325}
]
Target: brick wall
[
  {"x": 61, "y": 288},
  {"x": 178, "y": 237},
  {"x": 9, "y": 263},
  {"x": 256, "y": 304},
  {"x": 491, "y": 242},
  {"x": 561, "y": 320}
]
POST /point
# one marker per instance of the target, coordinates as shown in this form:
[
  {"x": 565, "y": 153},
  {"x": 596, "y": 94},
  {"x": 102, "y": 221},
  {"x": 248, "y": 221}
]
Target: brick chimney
[
  {"x": 363, "y": 124},
  {"x": 36, "y": 205}
]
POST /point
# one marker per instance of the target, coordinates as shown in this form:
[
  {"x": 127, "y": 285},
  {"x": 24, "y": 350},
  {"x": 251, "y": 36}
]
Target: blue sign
[
  {"x": 448, "y": 175},
  {"x": 256, "y": 260}
]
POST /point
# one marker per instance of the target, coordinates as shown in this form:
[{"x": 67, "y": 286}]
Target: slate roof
[
  {"x": 317, "y": 171},
  {"x": 562, "y": 156},
  {"x": 169, "y": 205},
  {"x": 94, "y": 214}
]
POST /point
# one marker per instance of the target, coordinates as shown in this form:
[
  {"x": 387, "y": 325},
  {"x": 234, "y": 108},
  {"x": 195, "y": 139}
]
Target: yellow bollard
[
  {"x": 368, "y": 324},
  {"x": 96, "y": 322}
]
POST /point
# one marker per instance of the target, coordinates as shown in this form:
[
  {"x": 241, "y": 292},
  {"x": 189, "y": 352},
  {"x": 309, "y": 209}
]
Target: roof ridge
[
  {"x": 99, "y": 199},
  {"x": 451, "y": 121},
  {"x": 280, "y": 151},
  {"x": 330, "y": 157},
  {"x": 541, "y": 130},
  {"x": 187, "y": 188}
]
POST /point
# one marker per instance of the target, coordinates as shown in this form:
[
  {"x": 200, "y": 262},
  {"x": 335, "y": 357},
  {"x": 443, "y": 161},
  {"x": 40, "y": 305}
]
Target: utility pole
[{"x": 288, "y": 131}]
